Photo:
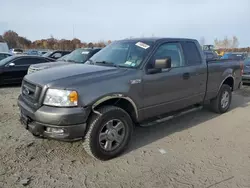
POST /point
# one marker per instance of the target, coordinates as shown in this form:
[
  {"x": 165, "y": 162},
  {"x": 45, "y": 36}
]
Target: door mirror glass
[
  {"x": 11, "y": 64},
  {"x": 162, "y": 63},
  {"x": 159, "y": 64}
]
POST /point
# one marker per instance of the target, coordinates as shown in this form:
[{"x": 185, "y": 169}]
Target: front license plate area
[{"x": 24, "y": 120}]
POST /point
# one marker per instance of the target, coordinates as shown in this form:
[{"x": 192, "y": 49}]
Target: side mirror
[
  {"x": 11, "y": 64},
  {"x": 162, "y": 63}
]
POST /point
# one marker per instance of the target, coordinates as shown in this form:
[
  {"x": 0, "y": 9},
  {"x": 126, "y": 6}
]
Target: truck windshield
[
  {"x": 78, "y": 56},
  {"x": 122, "y": 53}
]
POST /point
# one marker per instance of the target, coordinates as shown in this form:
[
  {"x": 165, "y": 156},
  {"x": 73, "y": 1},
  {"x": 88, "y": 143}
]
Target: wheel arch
[
  {"x": 119, "y": 100},
  {"x": 229, "y": 80}
]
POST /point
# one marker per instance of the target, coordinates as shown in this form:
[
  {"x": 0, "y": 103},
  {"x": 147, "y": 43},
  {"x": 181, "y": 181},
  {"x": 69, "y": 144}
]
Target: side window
[
  {"x": 2, "y": 56},
  {"x": 21, "y": 62},
  {"x": 28, "y": 61},
  {"x": 37, "y": 60},
  {"x": 192, "y": 54},
  {"x": 172, "y": 50},
  {"x": 64, "y": 53}
]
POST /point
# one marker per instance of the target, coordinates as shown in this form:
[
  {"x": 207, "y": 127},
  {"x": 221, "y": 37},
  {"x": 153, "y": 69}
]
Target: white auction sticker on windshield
[
  {"x": 85, "y": 52},
  {"x": 142, "y": 45},
  {"x": 128, "y": 63}
]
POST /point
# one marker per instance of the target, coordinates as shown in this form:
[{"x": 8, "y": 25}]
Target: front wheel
[
  {"x": 222, "y": 102},
  {"x": 109, "y": 133}
]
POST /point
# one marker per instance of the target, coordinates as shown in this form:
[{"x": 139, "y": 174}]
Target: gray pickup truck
[{"x": 128, "y": 83}]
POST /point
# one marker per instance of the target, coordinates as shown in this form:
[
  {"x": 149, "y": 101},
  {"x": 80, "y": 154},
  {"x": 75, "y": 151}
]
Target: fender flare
[
  {"x": 229, "y": 76},
  {"x": 114, "y": 96}
]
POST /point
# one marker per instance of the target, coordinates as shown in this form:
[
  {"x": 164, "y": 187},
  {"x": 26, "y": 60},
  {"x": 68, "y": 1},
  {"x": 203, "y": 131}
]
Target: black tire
[
  {"x": 92, "y": 144},
  {"x": 216, "y": 104}
]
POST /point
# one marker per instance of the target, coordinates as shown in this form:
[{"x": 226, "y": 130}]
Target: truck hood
[
  {"x": 41, "y": 66},
  {"x": 70, "y": 74}
]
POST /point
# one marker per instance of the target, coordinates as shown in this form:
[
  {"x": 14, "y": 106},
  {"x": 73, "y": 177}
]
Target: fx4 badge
[{"x": 136, "y": 81}]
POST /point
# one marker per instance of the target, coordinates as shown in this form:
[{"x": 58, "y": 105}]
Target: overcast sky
[{"x": 115, "y": 19}]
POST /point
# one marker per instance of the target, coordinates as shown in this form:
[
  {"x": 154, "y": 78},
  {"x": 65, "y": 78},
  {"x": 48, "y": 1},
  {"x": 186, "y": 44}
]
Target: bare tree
[
  {"x": 227, "y": 43},
  {"x": 235, "y": 42}
]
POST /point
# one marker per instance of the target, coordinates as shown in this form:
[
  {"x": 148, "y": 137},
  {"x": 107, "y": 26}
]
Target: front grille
[{"x": 31, "y": 93}]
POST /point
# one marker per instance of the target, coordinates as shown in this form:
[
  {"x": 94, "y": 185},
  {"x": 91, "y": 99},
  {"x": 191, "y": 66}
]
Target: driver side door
[{"x": 169, "y": 89}]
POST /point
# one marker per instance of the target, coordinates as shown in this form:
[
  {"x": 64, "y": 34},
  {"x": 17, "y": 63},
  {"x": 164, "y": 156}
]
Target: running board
[{"x": 167, "y": 118}]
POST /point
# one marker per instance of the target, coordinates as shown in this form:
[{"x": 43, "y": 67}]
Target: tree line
[
  {"x": 227, "y": 44},
  {"x": 16, "y": 41}
]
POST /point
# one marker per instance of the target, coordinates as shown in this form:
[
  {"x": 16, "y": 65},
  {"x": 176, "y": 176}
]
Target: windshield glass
[
  {"x": 6, "y": 60},
  {"x": 122, "y": 53},
  {"x": 47, "y": 54},
  {"x": 79, "y": 55},
  {"x": 63, "y": 58}
]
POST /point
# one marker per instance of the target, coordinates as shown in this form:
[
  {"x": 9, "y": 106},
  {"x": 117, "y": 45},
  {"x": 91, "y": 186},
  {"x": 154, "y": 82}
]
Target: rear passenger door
[{"x": 196, "y": 69}]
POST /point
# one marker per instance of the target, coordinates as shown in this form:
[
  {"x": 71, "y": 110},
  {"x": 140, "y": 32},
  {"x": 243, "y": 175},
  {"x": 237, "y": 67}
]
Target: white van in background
[{"x": 4, "y": 47}]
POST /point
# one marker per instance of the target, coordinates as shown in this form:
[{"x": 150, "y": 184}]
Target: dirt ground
[{"x": 198, "y": 150}]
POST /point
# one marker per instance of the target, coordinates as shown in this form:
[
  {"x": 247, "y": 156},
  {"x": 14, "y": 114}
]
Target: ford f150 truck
[{"x": 128, "y": 83}]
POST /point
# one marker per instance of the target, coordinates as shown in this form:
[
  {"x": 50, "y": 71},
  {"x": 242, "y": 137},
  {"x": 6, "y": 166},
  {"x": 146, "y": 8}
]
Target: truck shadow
[
  {"x": 6, "y": 86},
  {"x": 145, "y": 135}
]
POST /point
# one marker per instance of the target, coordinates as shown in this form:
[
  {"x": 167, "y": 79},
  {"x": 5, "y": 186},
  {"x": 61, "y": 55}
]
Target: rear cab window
[{"x": 191, "y": 53}]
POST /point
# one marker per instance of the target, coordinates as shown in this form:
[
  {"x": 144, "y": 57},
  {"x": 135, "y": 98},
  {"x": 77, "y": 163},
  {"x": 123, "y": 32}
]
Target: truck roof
[{"x": 157, "y": 39}]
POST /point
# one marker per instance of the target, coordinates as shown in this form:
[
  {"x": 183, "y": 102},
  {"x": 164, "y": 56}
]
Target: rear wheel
[
  {"x": 109, "y": 133},
  {"x": 222, "y": 102}
]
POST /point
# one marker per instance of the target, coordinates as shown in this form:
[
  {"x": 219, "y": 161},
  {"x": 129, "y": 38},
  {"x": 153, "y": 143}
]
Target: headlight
[
  {"x": 61, "y": 98},
  {"x": 29, "y": 71}
]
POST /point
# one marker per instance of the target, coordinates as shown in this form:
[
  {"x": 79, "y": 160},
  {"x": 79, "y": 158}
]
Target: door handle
[{"x": 186, "y": 76}]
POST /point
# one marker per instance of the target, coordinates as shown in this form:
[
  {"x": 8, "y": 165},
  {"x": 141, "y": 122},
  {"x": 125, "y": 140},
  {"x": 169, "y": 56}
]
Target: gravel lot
[{"x": 200, "y": 149}]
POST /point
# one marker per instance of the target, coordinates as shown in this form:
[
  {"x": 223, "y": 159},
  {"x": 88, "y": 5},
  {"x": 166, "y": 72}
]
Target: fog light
[{"x": 54, "y": 130}]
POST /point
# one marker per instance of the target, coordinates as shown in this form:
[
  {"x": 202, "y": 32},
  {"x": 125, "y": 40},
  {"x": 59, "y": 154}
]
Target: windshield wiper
[{"x": 107, "y": 63}]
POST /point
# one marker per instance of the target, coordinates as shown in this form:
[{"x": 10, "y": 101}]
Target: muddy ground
[{"x": 198, "y": 150}]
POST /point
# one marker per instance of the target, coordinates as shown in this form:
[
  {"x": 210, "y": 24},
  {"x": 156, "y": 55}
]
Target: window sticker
[
  {"x": 85, "y": 52},
  {"x": 142, "y": 45},
  {"x": 128, "y": 63}
]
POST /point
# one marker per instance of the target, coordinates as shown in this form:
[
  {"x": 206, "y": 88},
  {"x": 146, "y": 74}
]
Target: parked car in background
[
  {"x": 16, "y": 51},
  {"x": 80, "y": 55},
  {"x": 14, "y": 68},
  {"x": 31, "y": 52},
  {"x": 129, "y": 82},
  {"x": 235, "y": 56},
  {"x": 4, "y": 47},
  {"x": 3, "y": 55},
  {"x": 41, "y": 53},
  {"x": 246, "y": 71},
  {"x": 56, "y": 54}
]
